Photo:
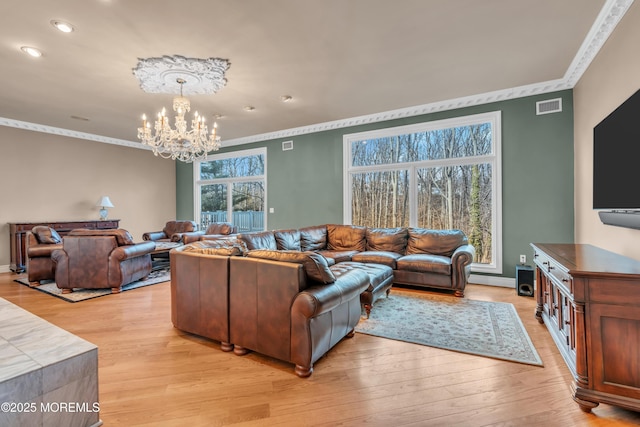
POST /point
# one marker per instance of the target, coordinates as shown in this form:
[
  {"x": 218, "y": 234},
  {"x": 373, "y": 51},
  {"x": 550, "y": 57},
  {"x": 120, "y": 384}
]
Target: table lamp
[{"x": 104, "y": 203}]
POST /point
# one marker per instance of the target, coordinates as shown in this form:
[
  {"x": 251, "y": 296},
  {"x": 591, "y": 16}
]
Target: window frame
[
  {"x": 494, "y": 118},
  {"x": 197, "y": 205}
]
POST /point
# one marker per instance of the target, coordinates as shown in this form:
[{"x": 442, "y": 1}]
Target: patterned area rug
[
  {"x": 156, "y": 276},
  {"x": 490, "y": 329}
]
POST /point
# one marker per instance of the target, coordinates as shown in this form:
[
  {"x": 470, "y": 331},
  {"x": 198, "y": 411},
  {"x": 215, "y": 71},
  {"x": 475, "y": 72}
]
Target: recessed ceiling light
[
  {"x": 65, "y": 27},
  {"x": 286, "y": 98},
  {"x": 249, "y": 108},
  {"x": 32, "y": 51}
]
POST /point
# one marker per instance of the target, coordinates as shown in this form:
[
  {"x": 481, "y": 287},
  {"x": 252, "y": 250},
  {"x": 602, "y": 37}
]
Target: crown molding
[
  {"x": 451, "y": 104},
  {"x": 608, "y": 18},
  {"x": 69, "y": 133}
]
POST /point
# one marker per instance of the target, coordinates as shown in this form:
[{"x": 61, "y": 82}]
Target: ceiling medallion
[{"x": 159, "y": 75}]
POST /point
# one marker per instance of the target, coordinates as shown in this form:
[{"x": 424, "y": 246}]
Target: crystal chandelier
[{"x": 179, "y": 143}]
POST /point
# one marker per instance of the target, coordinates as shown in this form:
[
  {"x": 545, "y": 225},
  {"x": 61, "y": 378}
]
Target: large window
[
  {"x": 441, "y": 175},
  {"x": 231, "y": 188}
]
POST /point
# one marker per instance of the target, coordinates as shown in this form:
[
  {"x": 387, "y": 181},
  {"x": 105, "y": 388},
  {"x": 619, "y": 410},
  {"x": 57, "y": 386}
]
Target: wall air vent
[
  {"x": 549, "y": 106},
  {"x": 287, "y": 145}
]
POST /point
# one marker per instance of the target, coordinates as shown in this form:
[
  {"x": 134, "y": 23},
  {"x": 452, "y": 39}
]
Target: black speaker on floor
[{"x": 524, "y": 280}]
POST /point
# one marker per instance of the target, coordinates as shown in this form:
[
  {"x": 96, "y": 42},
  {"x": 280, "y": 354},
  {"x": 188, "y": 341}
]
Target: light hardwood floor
[{"x": 151, "y": 374}]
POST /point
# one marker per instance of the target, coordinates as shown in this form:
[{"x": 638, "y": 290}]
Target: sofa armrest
[
  {"x": 463, "y": 255},
  {"x": 191, "y": 236},
  {"x": 154, "y": 235},
  {"x": 131, "y": 251},
  {"x": 177, "y": 237},
  {"x": 461, "y": 260},
  {"x": 319, "y": 299},
  {"x": 42, "y": 250},
  {"x": 61, "y": 262}
]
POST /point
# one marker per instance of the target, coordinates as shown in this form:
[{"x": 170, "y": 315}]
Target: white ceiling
[{"x": 339, "y": 59}]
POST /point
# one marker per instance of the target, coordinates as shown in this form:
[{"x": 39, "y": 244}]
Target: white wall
[{"x": 611, "y": 78}]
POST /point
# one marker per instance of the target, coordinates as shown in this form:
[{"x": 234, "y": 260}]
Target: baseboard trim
[
  {"x": 503, "y": 282},
  {"x": 5, "y": 269}
]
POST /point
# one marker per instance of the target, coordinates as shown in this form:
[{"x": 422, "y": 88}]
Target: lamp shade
[{"x": 104, "y": 202}]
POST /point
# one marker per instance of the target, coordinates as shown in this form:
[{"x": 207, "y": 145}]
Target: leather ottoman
[{"x": 380, "y": 280}]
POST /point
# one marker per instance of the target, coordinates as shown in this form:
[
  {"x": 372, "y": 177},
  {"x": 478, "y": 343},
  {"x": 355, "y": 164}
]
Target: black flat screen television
[{"x": 616, "y": 158}]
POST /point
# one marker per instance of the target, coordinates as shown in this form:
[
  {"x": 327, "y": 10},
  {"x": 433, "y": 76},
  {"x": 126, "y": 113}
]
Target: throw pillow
[{"x": 46, "y": 234}]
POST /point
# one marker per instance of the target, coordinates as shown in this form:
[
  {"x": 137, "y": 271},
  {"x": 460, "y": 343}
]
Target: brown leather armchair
[
  {"x": 41, "y": 242},
  {"x": 100, "y": 259},
  {"x": 172, "y": 231}
]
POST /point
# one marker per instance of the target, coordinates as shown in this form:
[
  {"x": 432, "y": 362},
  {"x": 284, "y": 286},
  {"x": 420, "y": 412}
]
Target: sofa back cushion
[
  {"x": 173, "y": 227},
  {"x": 123, "y": 237},
  {"x": 313, "y": 238},
  {"x": 346, "y": 237},
  {"x": 46, "y": 234},
  {"x": 221, "y": 228},
  {"x": 287, "y": 240},
  {"x": 387, "y": 239},
  {"x": 435, "y": 242},
  {"x": 259, "y": 240},
  {"x": 315, "y": 265}
]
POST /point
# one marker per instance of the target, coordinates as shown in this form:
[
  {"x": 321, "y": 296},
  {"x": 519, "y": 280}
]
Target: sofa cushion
[
  {"x": 315, "y": 266},
  {"x": 259, "y": 240},
  {"x": 123, "y": 237},
  {"x": 425, "y": 263},
  {"x": 287, "y": 240},
  {"x": 377, "y": 257},
  {"x": 172, "y": 227},
  {"x": 435, "y": 242},
  {"x": 221, "y": 228},
  {"x": 222, "y": 246},
  {"x": 230, "y": 251},
  {"x": 338, "y": 256},
  {"x": 346, "y": 238},
  {"x": 46, "y": 234},
  {"x": 313, "y": 238},
  {"x": 378, "y": 274},
  {"x": 387, "y": 239}
]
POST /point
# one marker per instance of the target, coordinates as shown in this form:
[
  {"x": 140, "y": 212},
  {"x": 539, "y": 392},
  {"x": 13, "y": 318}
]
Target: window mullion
[{"x": 413, "y": 196}]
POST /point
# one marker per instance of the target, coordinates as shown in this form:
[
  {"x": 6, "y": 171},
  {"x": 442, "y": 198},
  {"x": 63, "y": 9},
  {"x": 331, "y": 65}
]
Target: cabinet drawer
[
  {"x": 554, "y": 271},
  {"x": 71, "y": 225},
  {"x": 107, "y": 224}
]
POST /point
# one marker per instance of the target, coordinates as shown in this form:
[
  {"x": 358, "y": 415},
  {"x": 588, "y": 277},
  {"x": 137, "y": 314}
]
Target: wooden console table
[
  {"x": 589, "y": 299},
  {"x": 18, "y": 236}
]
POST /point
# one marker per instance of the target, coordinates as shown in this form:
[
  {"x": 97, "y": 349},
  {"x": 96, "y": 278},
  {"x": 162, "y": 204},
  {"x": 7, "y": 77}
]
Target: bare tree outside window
[
  {"x": 232, "y": 189},
  {"x": 439, "y": 177}
]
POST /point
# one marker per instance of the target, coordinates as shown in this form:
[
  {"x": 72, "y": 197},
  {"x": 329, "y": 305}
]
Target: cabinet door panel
[{"x": 615, "y": 349}]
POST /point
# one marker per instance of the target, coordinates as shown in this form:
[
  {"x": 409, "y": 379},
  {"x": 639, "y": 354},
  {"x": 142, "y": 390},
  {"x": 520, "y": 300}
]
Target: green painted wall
[{"x": 304, "y": 185}]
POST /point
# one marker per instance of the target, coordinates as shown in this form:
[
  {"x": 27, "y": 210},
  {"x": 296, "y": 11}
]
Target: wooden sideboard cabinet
[
  {"x": 18, "y": 236},
  {"x": 589, "y": 299}
]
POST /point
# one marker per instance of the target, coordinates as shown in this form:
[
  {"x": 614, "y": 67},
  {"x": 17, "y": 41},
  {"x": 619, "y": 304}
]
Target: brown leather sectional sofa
[{"x": 294, "y": 294}]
